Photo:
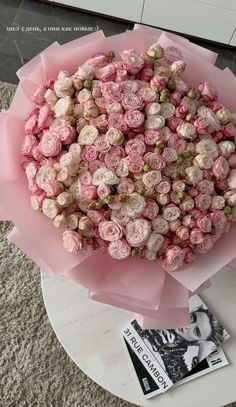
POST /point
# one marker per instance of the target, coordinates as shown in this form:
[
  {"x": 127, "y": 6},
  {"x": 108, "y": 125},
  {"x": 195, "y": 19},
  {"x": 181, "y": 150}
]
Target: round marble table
[{"x": 90, "y": 334}]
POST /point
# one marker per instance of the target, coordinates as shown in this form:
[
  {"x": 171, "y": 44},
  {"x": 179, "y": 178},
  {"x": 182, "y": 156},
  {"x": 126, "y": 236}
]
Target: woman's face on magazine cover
[{"x": 199, "y": 330}]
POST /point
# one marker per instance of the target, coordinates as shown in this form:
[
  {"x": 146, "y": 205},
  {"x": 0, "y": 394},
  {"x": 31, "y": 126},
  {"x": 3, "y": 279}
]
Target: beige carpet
[{"x": 35, "y": 371}]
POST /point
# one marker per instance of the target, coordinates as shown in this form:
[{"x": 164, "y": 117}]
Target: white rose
[
  {"x": 119, "y": 249},
  {"x": 50, "y": 97},
  {"x": 137, "y": 232},
  {"x": 153, "y": 109},
  {"x": 121, "y": 215},
  {"x": 232, "y": 179},
  {"x": 194, "y": 174},
  {"x": 65, "y": 199},
  {"x": 34, "y": 203},
  {"x": 73, "y": 221},
  {"x": 75, "y": 150},
  {"x": 122, "y": 169},
  {"x": 69, "y": 163},
  {"x": 50, "y": 208},
  {"x": 114, "y": 136},
  {"x": 63, "y": 107},
  {"x": 207, "y": 147},
  {"x": 88, "y": 135},
  {"x": 189, "y": 104},
  {"x": 60, "y": 221},
  {"x": 63, "y": 87},
  {"x": 212, "y": 118},
  {"x": 110, "y": 231},
  {"x": 226, "y": 148},
  {"x": 230, "y": 197},
  {"x": 105, "y": 176},
  {"x": 187, "y": 131},
  {"x": 167, "y": 110},
  {"x": 203, "y": 161},
  {"x": 45, "y": 174},
  {"x": 63, "y": 74},
  {"x": 114, "y": 107},
  {"x": 135, "y": 205},
  {"x": 155, "y": 122},
  {"x": 160, "y": 225},
  {"x": 154, "y": 242},
  {"x": 75, "y": 189},
  {"x": 217, "y": 203},
  {"x": 224, "y": 115},
  {"x": 151, "y": 178},
  {"x": 85, "y": 71}
]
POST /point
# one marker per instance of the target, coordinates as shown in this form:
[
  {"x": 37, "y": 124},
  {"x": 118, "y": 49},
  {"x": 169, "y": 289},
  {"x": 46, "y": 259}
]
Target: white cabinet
[
  {"x": 233, "y": 39},
  {"x": 126, "y": 9},
  {"x": 211, "y": 19}
]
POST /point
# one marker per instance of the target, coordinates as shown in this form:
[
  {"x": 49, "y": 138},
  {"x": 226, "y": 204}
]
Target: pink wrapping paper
[{"x": 143, "y": 287}]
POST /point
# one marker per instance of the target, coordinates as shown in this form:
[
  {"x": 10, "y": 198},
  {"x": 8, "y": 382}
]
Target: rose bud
[
  {"x": 155, "y": 51},
  {"x": 177, "y": 67}
]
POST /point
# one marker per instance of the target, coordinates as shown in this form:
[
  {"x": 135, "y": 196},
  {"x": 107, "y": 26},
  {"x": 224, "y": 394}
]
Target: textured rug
[{"x": 35, "y": 369}]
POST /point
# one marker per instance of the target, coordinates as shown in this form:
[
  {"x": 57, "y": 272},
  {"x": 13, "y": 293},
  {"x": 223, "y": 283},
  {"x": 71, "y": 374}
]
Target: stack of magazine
[{"x": 166, "y": 357}]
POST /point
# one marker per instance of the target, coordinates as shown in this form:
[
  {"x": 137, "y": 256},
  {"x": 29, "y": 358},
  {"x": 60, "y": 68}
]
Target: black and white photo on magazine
[{"x": 179, "y": 350}]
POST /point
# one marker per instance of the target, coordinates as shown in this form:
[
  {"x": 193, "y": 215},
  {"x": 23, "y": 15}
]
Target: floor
[{"x": 22, "y": 36}]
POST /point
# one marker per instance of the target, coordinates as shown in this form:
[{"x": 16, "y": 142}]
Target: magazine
[{"x": 168, "y": 355}]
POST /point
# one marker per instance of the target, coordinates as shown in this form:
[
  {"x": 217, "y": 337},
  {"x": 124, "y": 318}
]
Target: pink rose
[
  {"x": 220, "y": 168},
  {"x": 31, "y": 124},
  {"x": 52, "y": 188},
  {"x": 151, "y": 210},
  {"x": 88, "y": 192},
  {"x": 146, "y": 74},
  {"x": 38, "y": 95},
  {"x": 219, "y": 219},
  {"x": 44, "y": 117},
  {"x": 154, "y": 242},
  {"x": 183, "y": 233},
  {"x": 50, "y": 97},
  {"x": 137, "y": 232},
  {"x": 132, "y": 61},
  {"x": 201, "y": 124},
  {"x": 170, "y": 155},
  {"x": 173, "y": 122},
  {"x": 177, "y": 67},
  {"x": 203, "y": 161},
  {"x": 130, "y": 86},
  {"x": 66, "y": 133},
  {"x": 126, "y": 186},
  {"x": 131, "y": 101},
  {"x": 154, "y": 160},
  {"x": 110, "y": 231},
  {"x": 117, "y": 121},
  {"x": 229, "y": 197},
  {"x": 187, "y": 204},
  {"x": 95, "y": 165},
  {"x": 171, "y": 212},
  {"x": 218, "y": 202},
  {"x": 164, "y": 186},
  {"x": 163, "y": 199},
  {"x": 31, "y": 169},
  {"x": 187, "y": 131},
  {"x": 119, "y": 249},
  {"x": 151, "y": 178},
  {"x": 134, "y": 118},
  {"x": 96, "y": 216},
  {"x": 114, "y": 107},
  {"x": 158, "y": 82},
  {"x": 196, "y": 236},
  {"x": 194, "y": 174},
  {"x": 121, "y": 75},
  {"x": 28, "y": 144},
  {"x": 112, "y": 91},
  {"x": 72, "y": 241},
  {"x": 102, "y": 145},
  {"x": 206, "y": 244},
  {"x": 50, "y": 144},
  {"x": 33, "y": 187},
  {"x": 101, "y": 104},
  {"x": 101, "y": 122},
  {"x": 189, "y": 255},
  {"x": 228, "y": 129},
  {"x": 85, "y": 178},
  {"x": 206, "y": 187},
  {"x": 135, "y": 163},
  {"x": 89, "y": 153},
  {"x": 193, "y": 192},
  {"x": 134, "y": 146},
  {"x": 103, "y": 191},
  {"x": 112, "y": 160},
  {"x": 106, "y": 73},
  {"x": 181, "y": 112},
  {"x": 98, "y": 60},
  {"x": 203, "y": 202},
  {"x": 204, "y": 223},
  {"x": 151, "y": 137},
  {"x": 208, "y": 92},
  {"x": 174, "y": 258},
  {"x": 189, "y": 221},
  {"x": 147, "y": 95}
]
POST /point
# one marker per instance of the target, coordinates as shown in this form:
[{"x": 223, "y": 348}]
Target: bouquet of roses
[{"x": 126, "y": 160}]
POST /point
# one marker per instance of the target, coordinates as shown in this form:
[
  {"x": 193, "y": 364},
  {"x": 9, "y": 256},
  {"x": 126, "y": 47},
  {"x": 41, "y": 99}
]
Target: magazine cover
[
  {"x": 150, "y": 388},
  {"x": 171, "y": 354}
]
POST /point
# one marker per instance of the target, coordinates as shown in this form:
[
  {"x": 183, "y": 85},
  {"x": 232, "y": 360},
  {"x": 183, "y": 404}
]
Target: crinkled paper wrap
[{"x": 159, "y": 299}]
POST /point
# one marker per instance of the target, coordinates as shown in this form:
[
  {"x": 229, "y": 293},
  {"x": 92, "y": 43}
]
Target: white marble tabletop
[{"x": 90, "y": 333}]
